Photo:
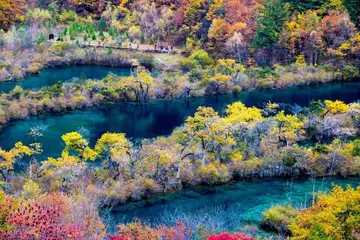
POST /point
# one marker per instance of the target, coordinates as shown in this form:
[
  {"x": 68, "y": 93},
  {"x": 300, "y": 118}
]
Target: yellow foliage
[
  {"x": 30, "y": 189},
  {"x": 113, "y": 144},
  {"x": 122, "y": 7},
  {"x": 75, "y": 142},
  {"x": 220, "y": 78},
  {"x": 214, "y": 7},
  {"x": 240, "y": 114},
  {"x": 218, "y": 29},
  {"x": 292, "y": 25},
  {"x": 237, "y": 27},
  {"x": 300, "y": 61},
  {"x": 287, "y": 126},
  {"x": 199, "y": 119},
  {"x": 335, "y": 107},
  {"x": 213, "y": 172},
  {"x": 334, "y": 216},
  {"x": 228, "y": 66},
  {"x": 209, "y": 172},
  {"x": 64, "y": 161},
  {"x": 146, "y": 78},
  {"x": 149, "y": 184},
  {"x": 236, "y": 156},
  {"x": 8, "y": 158}
]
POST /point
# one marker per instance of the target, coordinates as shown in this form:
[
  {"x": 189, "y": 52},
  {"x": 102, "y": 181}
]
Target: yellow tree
[
  {"x": 8, "y": 158},
  {"x": 160, "y": 164},
  {"x": 334, "y": 216},
  {"x": 122, "y": 7},
  {"x": 75, "y": 142},
  {"x": 335, "y": 107},
  {"x": 240, "y": 120},
  {"x": 141, "y": 85},
  {"x": 238, "y": 113},
  {"x": 114, "y": 148},
  {"x": 218, "y": 82},
  {"x": 11, "y": 11},
  {"x": 208, "y": 133},
  {"x": 62, "y": 171},
  {"x": 216, "y": 9},
  {"x": 217, "y": 34},
  {"x": 195, "y": 132},
  {"x": 229, "y": 67},
  {"x": 288, "y": 126}
]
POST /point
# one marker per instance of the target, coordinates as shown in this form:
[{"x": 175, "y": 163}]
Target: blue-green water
[
  {"x": 221, "y": 208},
  {"x": 49, "y": 76},
  {"x": 147, "y": 120},
  {"x": 224, "y": 208}
]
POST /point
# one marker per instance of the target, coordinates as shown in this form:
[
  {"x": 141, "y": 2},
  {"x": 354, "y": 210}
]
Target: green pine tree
[
  {"x": 102, "y": 24},
  {"x": 353, "y": 7},
  {"x": 304, "y": 5},
  {"x": 101, "y": 35},
  {"x": 270, "y": 23},
  {"x": 142, "y": 40}
]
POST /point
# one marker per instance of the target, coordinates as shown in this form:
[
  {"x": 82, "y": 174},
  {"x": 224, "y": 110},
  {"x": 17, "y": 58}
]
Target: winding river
[
  {"x": 222, "y": 208},
  {"x": 147, "y": 120},
  {"x": 50, "y": 76}
]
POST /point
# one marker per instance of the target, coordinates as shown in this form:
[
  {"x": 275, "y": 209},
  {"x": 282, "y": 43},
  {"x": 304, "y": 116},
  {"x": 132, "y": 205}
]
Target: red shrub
[
  {"x": 139, "y": 231},
  {"x": 179, "y": 232},
  {"x": 228, "y": 236},
  {"x": 28, "y": 220}
]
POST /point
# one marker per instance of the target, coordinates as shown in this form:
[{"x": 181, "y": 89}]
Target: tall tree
[
  {"x": 270, "y": 23},
  {"x": 11, "y": 11},
  {"x": 304, "y": 5},
  {"x": 352, "y": 6}
]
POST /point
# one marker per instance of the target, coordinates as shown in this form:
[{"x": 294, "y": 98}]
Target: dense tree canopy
[
  {"x": 202, "y": 47},
  {"x": 265, "y": 31}
]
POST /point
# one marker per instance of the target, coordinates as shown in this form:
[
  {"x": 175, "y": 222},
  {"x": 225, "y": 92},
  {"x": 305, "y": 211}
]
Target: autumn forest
[{"x": 179, "y": 119}]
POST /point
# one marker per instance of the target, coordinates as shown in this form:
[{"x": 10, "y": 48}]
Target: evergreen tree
[
  {"x": 270, "y": 23},
  {"x": 353, "y": 7},
  {"x": 304, "y": 5},
  {"x": 142, "y": 40},
  {"x": 101, "y": 35},
  {"x": 102, "y": 24}
]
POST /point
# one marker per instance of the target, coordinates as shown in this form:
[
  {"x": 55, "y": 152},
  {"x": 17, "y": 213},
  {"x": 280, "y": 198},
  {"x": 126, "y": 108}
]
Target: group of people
[
  {"x": 157, "y": 47},
  {"x": 162, "y": 47},
  {"x": 137, "y": 46}
]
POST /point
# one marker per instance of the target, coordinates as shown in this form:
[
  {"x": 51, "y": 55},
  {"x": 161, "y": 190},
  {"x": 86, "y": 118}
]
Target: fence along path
[{"x": 140, "y": 48}]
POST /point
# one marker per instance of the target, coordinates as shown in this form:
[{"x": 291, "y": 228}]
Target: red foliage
[
  {"x": 139, "y": 231},
  {"x": 228, "y": 236},
  {"x": 178, "y": 232},
  {"x": 117, "y": 237},
  {"x": 244, "y": 11},
  {"x": 30, "y": 220}
]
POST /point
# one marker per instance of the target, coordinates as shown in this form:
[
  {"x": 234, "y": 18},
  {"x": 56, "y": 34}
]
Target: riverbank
[
  {"x": 50, "y": 76},
  {"x": 236, "y": 207},
  {"x": 160, "y": 117},
  {"x": 209, "y": 149},
  {"x": 65, "y": 97},
  {"x": 60, "y": 54}
]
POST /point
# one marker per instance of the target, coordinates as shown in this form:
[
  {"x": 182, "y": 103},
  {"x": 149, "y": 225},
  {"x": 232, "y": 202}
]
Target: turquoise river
[{"x": 222, "y": 208}]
